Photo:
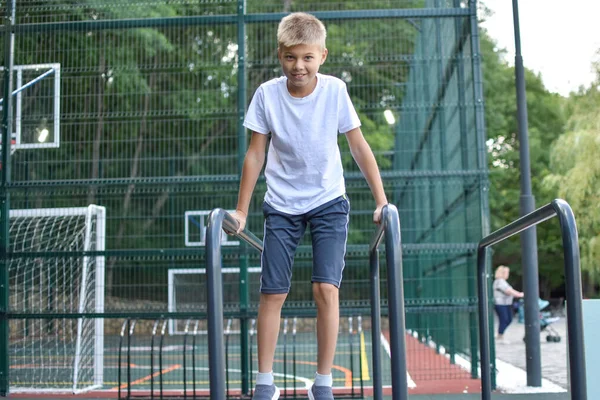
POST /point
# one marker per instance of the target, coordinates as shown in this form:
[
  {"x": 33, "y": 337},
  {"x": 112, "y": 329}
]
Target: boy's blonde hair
[{"x": 301, "y": 28}]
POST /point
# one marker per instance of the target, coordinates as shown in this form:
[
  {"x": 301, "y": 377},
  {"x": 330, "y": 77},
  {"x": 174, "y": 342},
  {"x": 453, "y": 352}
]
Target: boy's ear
[{"x": 324, "y": 56}]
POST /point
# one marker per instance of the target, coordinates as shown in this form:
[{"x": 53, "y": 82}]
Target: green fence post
[
  {"x": 8, "y": 63},
  {"x": 241, "y": 111},
  {"x": 479, "y": 125}
]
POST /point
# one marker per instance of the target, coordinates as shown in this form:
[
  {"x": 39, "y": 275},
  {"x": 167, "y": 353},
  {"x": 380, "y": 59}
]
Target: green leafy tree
[
  {"x": 546, "y": 122},
  {"x": 576, "y": 175}
]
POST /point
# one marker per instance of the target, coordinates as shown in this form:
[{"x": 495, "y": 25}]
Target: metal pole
[
  {"x": 376, "y": 325},
  {"x": 393, "y": 252},
  {"x": 481, "y": 137},
  {"x": 529, "y": 257},
  {"x": 243, "y": 248},
  {"x": 216, "y": 347},
  {"x": 577, "y": 372},
  {"x": 8, "y": 63},
  {"x": 484, "y": 344},
  {"x": 577, "y": 367}
]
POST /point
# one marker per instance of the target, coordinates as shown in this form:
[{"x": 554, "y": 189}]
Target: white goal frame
[{"x": 88, "y": 212}]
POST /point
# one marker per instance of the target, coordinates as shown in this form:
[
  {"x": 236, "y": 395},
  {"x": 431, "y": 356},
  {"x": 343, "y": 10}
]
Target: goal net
[{"x": 56, "y": 354}]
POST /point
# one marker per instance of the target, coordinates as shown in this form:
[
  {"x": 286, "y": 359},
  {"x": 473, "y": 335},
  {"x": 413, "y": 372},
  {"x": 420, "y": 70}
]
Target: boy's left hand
[{"x": 377, "y": 214}]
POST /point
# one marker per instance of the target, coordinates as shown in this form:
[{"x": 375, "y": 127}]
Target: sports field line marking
[
  {"x": 364, "y": 362},
  {"x": 387, "y": 390},
  {"x": 307, "y": 382},
  {"x": 148, "y": 377},
  {"x": 346, "y": 371},
  {"x": 386, "y": 346}
]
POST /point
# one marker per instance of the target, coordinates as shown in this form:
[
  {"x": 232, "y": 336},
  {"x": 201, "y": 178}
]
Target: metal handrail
[
  {"x": 219, "y": 219},
  {"x": 389, "y": 227},
  {"x": 577, "y": 371}
]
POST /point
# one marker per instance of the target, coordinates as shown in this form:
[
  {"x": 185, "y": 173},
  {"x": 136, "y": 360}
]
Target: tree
[
  {"x": 546, "y": 123},
  {"x": 576, "y": 175}
]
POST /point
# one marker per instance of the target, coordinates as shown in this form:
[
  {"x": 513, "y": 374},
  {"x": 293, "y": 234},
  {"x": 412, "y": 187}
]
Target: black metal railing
[
  {"x": 390, "y": 228},
  {"x": 563, "y": 211}
]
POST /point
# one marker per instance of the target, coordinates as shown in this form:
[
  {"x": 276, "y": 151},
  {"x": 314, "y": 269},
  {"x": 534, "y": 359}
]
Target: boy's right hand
[{"x": 240, "y": 217}]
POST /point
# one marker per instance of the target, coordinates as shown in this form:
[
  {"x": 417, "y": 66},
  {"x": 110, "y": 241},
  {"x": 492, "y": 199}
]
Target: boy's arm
[
  {"x": 253, "y": 163},
  {"x": 363, "y": 155}
]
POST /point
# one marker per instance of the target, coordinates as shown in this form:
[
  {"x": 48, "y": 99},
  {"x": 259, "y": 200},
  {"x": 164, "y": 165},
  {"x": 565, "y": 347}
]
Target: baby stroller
[{"x": 546, "y": 320}]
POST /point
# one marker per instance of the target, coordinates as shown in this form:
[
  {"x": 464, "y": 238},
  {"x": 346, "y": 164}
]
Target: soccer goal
[{"x": 58, "y": 354}]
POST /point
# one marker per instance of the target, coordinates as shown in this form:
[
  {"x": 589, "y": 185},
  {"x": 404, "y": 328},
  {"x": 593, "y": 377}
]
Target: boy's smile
[{"x": 300, "y": 65}]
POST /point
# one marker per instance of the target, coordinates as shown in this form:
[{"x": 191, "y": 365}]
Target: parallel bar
[
  {"x": 219, "y": 219},
  {"x": 484, "y": 325},
  {"x": 396, "y": 303},
  {"x": 376, "y": 321},
  {"x": 540, "y": 215},
  {"x": 390, "y": 226},
  {"x": 570, "y": 237},
  {"x": 231, "y": 19},
  {"x": 214, "y": 280},
  {"x": 577, "y": 368},
  {"x": 376, "y": 310}
]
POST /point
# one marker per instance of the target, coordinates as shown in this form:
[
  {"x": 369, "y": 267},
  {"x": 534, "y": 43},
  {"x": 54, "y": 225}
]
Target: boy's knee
[
  {"x": 325, "y": 293},
  {"x": 273, "y": 300}
]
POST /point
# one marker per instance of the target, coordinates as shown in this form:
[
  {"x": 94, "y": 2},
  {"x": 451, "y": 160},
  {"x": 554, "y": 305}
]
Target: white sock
[
  {"x": 323, "y": 380},
  {"x": 264, "y": 378}
]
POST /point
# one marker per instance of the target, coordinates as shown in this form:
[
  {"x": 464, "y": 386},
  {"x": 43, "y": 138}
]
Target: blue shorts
[{"x": 283, "y": 232}]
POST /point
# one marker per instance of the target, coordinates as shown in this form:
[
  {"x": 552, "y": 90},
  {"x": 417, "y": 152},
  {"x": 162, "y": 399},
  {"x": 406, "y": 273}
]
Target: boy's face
[{"x": 300, "y": 65}]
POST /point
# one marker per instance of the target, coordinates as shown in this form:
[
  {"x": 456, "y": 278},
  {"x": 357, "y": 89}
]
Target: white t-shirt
[
  {"x": 500, "y": 287},
  {"x": 304, "y": 166}
]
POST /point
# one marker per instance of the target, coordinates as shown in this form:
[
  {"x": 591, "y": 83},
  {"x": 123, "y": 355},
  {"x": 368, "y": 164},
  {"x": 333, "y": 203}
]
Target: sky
[{"x": 559, "y": 38}]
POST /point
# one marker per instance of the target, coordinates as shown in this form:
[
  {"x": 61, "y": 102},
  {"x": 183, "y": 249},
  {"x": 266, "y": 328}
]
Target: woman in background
[{"x": 503, "y": 300}]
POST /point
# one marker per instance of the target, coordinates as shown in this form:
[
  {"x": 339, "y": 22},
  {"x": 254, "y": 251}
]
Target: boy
[{"x": 303, "y": 111}]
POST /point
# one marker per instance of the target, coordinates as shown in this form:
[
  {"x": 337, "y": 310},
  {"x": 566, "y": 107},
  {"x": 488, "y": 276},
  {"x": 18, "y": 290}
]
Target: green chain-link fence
[{"x": 136, "y": 107}]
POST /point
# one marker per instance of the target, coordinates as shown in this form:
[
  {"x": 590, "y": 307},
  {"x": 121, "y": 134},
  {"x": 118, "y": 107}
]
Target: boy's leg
[
  {"x": 326, "y": 296},
  {"x": 269, "y": 317},
  {"x": 329, "y": 233},
  {"x": 282, "y": 233}
]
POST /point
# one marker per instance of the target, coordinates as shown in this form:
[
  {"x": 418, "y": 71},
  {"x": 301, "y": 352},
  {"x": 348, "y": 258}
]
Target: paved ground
[
  {"x": 495, "y": 396},
  {"x": 554, "y": 355}
]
